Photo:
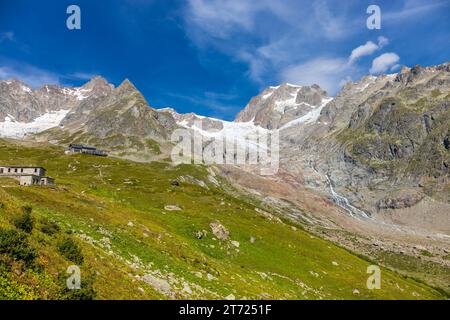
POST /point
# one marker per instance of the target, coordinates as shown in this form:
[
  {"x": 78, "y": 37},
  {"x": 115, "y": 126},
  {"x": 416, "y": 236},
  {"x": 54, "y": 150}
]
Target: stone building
[
  {"x": 80, "y": 148},
  {"x": 27, "y": 176}
]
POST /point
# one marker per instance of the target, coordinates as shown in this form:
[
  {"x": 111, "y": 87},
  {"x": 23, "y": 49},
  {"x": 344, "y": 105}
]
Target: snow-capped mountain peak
[{"x": 279, "y": 105}]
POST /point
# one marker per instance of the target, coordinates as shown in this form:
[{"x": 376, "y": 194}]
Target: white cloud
[
  {"x": 395, "y": 67},
  {"x": 329, "y": 73},
  {"x": 368, "y": 48},
  {"x": 282, "y": 40},
  {"x": 332, "y": 73},
  {"x": 384, "y": 62},
  {"x": 364, "y": 50}
]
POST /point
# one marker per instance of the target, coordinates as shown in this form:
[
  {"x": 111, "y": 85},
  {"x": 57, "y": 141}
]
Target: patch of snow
[
  {"x": 310, "y": 117},
  {"x": 183, "y": 123},
  {"x": 26, "y": 89},
  {"x": 166, "y": 109},
  {"x": 267, "y": 95},
  {"x": 11, "y": 128},
  {"x": 281, "y": 105},
  {"x": 79, "y": 93}
]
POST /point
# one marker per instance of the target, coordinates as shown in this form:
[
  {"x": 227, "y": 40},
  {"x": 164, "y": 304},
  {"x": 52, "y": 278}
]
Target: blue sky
[{"x": 212, "y": 56}]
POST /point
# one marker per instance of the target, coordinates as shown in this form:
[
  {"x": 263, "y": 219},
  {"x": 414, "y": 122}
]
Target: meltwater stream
[{"x": 344, "y": 203}]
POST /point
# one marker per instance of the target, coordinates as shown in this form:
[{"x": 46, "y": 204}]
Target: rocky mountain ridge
[{"x": 96, "y": 113}]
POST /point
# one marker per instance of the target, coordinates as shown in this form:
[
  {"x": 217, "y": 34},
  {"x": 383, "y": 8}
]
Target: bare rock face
[
  {"x": 403, "y": 200},
  {"x": 191, "y": 119},
  {"x": 125, "y": 111},
  {"x": 20, "y": 103},
  {"x": 378, "y": 136},
  {"x": 277, "y": 106},
  {"x": 89, "y": 97},
  {"x": 311, "y": 95}
]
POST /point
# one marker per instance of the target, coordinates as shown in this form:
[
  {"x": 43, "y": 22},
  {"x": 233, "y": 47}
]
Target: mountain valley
[{"x": 363, "y": 179}]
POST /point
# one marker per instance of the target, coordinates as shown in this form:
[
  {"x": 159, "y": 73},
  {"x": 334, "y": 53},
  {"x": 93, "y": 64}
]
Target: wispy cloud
[
  {"x": 6, "y": 36},
  {"x": 334, "y": 26},
  {"x": 37, "y": 77},
  {"x": 31, "y": 75},
  {"x": 412, "y": 8},
  {"x": 329, "y": 73},
  {"x": 219, "y": 104},
  {"x": 80, "y": 76},
  {"x": 271, "y": 37},
  {"x": 291, "y": 40}
]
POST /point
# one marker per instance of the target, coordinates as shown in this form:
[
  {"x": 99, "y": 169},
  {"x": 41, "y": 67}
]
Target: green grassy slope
[{"x": 133, "y": 248}]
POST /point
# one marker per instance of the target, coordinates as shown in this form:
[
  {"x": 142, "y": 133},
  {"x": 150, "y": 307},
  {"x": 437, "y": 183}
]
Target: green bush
[
  {"x": 86, "y": 291},
  {"x": 70, "y": 250},
  {"x": 25, "y": 221},
  {"x": 15, "y": 245},
  {"x": 49, "y": 227}
]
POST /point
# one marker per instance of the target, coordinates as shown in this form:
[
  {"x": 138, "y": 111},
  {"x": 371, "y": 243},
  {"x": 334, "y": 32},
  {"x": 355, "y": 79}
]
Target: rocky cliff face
[
  {"x": 382, "y": 141},
  {"x": 188, "y": 120}
]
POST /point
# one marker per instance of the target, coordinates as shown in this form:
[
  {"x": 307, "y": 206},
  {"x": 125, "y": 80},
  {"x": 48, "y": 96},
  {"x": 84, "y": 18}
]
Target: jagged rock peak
[
  {"x": 97, "y": 81},
  {"x": 126, "y": 85},
  {"x": 15, "y": 83}
]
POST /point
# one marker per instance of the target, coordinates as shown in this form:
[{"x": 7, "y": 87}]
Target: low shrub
[
  {"x": 49, "y": 227},
  {"x": 24, "y": 221},
  {"x": 15, "y": 245},
  {"x": 70, "y": 250}
]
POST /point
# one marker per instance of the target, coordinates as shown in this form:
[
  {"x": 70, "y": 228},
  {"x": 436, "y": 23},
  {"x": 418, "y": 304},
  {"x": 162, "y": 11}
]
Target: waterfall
[{"x": 344, "y": 203}]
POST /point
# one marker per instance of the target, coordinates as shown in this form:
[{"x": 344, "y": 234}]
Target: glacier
[{"x": 10, "y": 128}]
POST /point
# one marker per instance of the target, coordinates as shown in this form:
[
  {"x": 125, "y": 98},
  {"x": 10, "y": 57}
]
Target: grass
[{"x": 133, "y": 248}]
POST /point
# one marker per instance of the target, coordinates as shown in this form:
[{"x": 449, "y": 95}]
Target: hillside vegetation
[{"x": 157, "y": 231}]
